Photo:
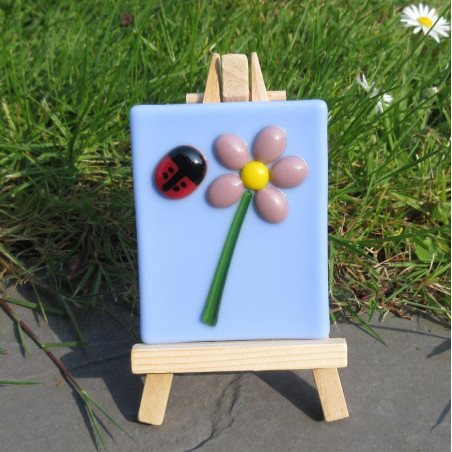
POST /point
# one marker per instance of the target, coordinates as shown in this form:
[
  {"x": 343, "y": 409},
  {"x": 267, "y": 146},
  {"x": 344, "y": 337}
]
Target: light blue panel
[{"x": 277, "y": 286}]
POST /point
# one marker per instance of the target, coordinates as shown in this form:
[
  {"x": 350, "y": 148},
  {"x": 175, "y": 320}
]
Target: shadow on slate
[
  {"x": 296, "y": 390},
  {"x": 124, "y": 387},
  {"x": 441, "y": 348},
  {"x": 400, "y": 330},
  {"x": 106, "y": 355}
]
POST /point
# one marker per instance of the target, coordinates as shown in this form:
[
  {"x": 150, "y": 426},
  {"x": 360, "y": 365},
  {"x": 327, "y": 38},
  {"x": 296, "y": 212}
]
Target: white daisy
[
  {"x": 425, "y": 19},
  {"x": 384, "y": 100}
]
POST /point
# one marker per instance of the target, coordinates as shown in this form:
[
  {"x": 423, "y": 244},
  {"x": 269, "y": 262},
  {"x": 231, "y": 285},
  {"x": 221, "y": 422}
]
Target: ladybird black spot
[
  {"x": 165, "y": 175},
  {"x": 171, "y": 170},
  {"x": 183, "y": 184},
  {"x": 176, "y": 188}
]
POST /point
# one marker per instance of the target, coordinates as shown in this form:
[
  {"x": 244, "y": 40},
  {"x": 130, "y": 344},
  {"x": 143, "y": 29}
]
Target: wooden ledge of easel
[{"x": 236, "y": 356}]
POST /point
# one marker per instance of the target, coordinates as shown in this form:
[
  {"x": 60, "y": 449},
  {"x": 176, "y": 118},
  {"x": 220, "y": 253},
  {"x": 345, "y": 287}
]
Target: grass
[{"x": 71, "y": 71}]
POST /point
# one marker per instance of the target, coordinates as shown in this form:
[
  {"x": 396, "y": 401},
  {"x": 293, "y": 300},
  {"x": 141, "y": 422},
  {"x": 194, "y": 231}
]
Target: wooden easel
[{"x": 159, "y": 362}]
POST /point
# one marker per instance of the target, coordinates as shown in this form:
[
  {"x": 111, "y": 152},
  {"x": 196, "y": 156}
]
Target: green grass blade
[
  {"x": 19, "y": 383},
  {"x": 109, "y": 417}
]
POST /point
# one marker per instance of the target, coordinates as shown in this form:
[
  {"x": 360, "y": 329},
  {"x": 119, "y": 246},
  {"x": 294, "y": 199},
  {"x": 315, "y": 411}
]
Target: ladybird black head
[{"x": 180, "y": 172}]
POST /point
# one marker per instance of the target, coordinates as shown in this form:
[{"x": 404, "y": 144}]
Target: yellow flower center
[
  {"x": 425, "y": 21},
  {"x": 255, "y": 175}
]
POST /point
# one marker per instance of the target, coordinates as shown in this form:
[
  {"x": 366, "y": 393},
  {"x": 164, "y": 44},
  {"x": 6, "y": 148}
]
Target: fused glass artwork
[{"x": 231, "y": 209}]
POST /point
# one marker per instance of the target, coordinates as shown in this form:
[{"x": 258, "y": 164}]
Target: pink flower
[{"x": 268, "y": 147}]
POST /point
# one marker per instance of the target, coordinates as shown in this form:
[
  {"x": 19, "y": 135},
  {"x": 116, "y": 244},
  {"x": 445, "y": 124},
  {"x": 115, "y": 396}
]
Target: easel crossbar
[{"x": 233, "y": 356}]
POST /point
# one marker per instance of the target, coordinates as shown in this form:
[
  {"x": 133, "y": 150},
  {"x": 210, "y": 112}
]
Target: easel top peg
[
  {"x": 228, "y": 81},
  {"x": 235, "y": 82}
]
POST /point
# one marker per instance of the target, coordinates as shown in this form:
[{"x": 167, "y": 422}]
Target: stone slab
[{"x": 398, "y": 395}]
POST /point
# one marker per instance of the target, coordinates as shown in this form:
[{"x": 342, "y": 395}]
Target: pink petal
[
  {"x": 289, "y": 172},
  {"x": 225, "y": 190},
  {"x": 271, "y": 204},
  {"x": 269, "y": 144},
  {"x": 232, "y": 151}
]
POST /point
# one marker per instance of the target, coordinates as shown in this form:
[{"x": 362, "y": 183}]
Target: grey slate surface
[{"x": 398, "y": 395}]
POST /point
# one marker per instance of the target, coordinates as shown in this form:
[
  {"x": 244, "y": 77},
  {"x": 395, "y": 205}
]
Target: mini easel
[{"x": 159, "y": 362}]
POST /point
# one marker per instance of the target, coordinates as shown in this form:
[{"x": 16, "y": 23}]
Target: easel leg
[
  {"x": 154, "y": 399},
  {"x": 331, "y": 394}
]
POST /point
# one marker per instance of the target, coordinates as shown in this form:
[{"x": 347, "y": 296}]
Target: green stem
[{"x": 212, "y": 306}]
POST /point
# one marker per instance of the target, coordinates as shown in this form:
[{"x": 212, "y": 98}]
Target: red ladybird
[{"x": 180, "y": 172}]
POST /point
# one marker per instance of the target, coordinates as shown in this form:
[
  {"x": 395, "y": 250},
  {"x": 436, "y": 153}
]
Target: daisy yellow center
[
  {"x": 425, "y": 21},
  {"x": 255, "y": 175}
]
